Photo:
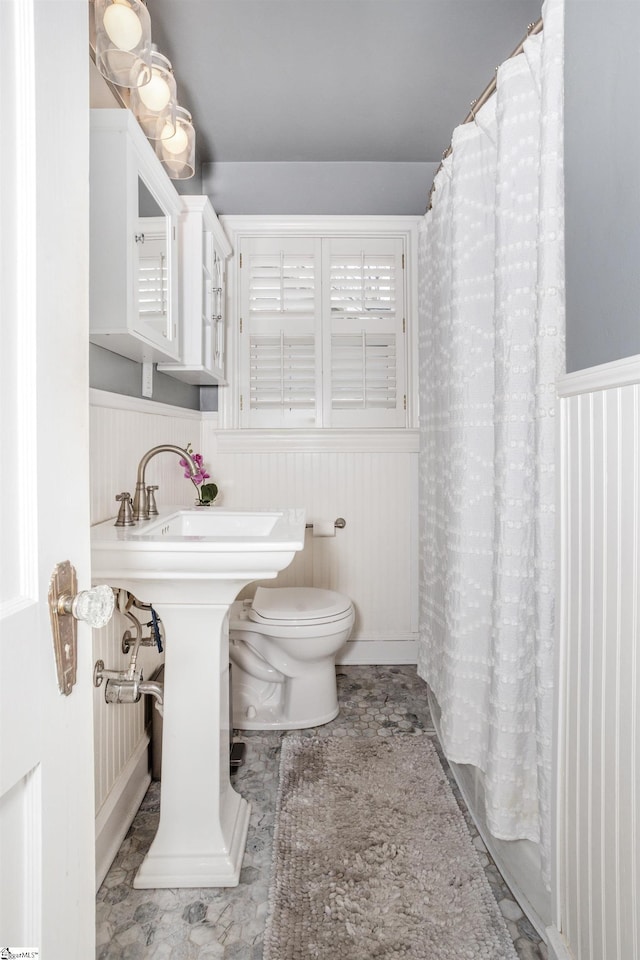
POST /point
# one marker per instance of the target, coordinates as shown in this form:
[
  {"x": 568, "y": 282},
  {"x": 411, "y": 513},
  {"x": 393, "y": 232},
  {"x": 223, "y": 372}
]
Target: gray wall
[
  {"x": 289, "y": 188},
  {"x": 108, "y": 371},
  {"x": 602, "y": 169}
]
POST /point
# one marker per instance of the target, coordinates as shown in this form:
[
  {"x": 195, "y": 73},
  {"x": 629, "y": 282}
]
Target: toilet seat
[{"x": 297, "y": 606}]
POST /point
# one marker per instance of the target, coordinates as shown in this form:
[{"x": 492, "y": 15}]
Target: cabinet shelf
[{"x": 197, "y": 375}]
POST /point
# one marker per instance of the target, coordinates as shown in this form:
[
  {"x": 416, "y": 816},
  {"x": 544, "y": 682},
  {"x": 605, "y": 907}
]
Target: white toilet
[{"x": 282, "y": 647}]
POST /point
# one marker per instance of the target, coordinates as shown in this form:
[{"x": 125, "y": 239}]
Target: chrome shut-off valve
[{"x": 122, "y": 688}]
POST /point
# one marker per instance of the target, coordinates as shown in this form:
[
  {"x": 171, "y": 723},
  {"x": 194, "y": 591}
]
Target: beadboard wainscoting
[
  {"x": 369, "y": 478},
  {"x": 122, "y": 430},
  {"x": 598, "y": 820}
]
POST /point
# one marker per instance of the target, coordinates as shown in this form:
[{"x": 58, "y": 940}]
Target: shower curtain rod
[{"x": 486, "y": 94}]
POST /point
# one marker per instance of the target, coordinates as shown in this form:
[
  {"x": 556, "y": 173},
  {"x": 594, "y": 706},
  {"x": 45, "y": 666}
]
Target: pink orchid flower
[
  {"x": 187, "y": 470},
  {"x": 201, "y": 475}
]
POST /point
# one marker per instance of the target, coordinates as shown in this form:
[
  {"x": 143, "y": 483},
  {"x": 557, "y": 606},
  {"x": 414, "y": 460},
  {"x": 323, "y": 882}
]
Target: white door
[{"x": 46, "y": 744}]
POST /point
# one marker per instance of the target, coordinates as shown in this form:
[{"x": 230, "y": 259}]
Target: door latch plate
[{"x": 63, "y": 584}]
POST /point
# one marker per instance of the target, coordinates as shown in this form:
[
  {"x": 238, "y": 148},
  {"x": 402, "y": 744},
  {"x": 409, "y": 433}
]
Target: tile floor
[{"x": 228, "y": 924}]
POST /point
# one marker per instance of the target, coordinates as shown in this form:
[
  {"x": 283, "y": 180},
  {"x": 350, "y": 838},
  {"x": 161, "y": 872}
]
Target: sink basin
[
  {"x": 210, "y": 523},
  {"x": 204, "y": 543},
  {"x": 191, "y": 565}
]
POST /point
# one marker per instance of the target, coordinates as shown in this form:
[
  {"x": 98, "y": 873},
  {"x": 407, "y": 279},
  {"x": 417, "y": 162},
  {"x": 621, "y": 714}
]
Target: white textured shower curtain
[{"x": 491, "y": 349}]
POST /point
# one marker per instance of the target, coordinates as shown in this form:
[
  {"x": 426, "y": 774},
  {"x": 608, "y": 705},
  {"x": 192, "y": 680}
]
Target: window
[{"x": 322, "y": 332}]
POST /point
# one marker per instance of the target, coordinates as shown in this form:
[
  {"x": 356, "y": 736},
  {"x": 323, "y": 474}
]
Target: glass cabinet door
[
  {"x": 135, "y": 212},
  {"x": 152, "y": 273}
]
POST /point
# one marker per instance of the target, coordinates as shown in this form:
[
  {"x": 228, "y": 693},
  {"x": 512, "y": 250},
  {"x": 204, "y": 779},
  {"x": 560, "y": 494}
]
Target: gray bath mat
[{"x": 372, "y": 858}]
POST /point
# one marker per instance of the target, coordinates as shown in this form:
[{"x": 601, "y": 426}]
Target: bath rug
[{"x": 372, "y": 858}]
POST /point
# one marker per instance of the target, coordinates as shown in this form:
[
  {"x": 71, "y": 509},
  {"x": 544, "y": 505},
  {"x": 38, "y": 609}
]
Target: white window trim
[{"x": 238, "y": 227}]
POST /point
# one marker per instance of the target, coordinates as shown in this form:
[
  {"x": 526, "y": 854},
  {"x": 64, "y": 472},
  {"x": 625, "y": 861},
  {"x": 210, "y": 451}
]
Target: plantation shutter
[
  {"x": 280, "y": 332},
  {"x": 152, "y": 287},
  {"x": 364, "y": 347}
]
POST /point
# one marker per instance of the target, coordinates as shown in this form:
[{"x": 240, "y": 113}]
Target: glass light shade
[
  {"x": 177, "y": 154},
  {"x": 154, "y": 105},
  {"x": 123, "y": 42}
]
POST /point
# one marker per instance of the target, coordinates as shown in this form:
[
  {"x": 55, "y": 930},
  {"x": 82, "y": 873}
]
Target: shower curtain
[{"x": 491, "y": 302}]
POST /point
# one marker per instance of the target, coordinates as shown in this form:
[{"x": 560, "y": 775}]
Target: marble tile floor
[{"x": 228, "y": 924}]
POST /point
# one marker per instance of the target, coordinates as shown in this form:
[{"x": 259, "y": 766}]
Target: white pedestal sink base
[
  {"x": 203, "y": 821},
  {"x": 218, "y": 867}
]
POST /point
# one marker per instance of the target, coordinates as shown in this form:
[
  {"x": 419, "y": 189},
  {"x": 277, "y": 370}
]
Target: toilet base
[
  {"x": 267, "y": 719},
  {"x": 309, "y": 699}
]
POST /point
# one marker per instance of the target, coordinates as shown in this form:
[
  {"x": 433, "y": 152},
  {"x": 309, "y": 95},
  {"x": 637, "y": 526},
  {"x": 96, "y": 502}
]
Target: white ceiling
[{"x": 333, "y": 80}]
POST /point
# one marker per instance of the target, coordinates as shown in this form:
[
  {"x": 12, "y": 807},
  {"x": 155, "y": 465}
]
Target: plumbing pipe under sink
[{"x": 154, "y": 689}]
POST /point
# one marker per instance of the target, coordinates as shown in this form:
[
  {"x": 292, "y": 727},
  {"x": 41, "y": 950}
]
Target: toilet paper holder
[{"x": 339, "y": 524}]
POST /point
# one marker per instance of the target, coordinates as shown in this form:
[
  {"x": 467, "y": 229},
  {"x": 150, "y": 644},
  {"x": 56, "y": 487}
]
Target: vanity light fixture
[
  {"x": 123, "y": 42},
  {"x": 177, "y": 153},
  {"x": 154, "y": 104}
]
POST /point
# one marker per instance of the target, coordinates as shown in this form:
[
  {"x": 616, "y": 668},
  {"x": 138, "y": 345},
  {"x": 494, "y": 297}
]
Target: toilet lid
[{"x": 289, "y": 605}]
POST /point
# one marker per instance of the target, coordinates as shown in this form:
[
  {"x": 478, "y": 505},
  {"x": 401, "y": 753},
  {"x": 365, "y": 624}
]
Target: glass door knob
[{"x": 94, "y": 606}]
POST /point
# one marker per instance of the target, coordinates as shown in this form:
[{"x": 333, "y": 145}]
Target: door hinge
[
  {"x": 240, "y": 324},
  {"x": 405, "y": 401},
  {"x": 403, "y": 261},
  {"x": 404, "y": 325},
  {"x": 241, "y": 402},
  {"x": 241, "y": 261}
]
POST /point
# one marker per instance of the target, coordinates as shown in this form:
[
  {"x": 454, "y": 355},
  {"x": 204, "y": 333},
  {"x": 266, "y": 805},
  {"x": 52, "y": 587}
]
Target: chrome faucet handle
[
  {"x": 151, "y": 500},
  {"x": 125, "y": 513}
]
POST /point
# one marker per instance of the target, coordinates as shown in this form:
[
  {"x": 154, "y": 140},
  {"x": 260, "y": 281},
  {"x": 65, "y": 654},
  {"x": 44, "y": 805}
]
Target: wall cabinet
[
  {"x": 135, "y": 213},
  {"x": 204, "y": 250}
]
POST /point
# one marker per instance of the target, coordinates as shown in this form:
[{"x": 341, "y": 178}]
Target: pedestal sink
[{"x": 191, "y": 564}]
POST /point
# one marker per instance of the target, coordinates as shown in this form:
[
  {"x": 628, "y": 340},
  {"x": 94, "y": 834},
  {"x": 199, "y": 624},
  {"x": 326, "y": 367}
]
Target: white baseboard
[
  {"x": 379, "y": 652},
  {"x": 120, "y": 807},
  {"x": 556, "y": 945}
]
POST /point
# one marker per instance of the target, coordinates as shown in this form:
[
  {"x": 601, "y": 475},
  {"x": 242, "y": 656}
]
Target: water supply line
[
  {"x": 128, "y": 686},
  {"x": 125, "y": 602}
]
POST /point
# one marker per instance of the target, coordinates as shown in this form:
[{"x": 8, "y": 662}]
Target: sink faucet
[{"x": 140, "y": 500}]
